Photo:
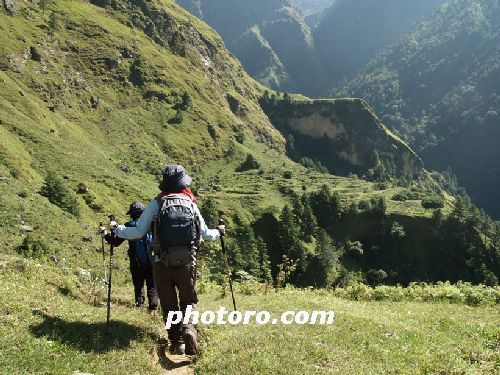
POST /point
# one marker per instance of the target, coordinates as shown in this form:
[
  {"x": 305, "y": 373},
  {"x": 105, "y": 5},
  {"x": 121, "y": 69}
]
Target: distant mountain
[
  {"x": 308, "y": 7},
  {"x": 269, "y": 37},
  {"x": 312, "y": 10},
  {"x": 439, "y": 87},
  {"x": 351, "y": 32}
]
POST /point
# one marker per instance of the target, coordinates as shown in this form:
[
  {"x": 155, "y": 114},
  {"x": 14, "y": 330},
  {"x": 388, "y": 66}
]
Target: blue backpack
[{"x": 142, "y": 246}]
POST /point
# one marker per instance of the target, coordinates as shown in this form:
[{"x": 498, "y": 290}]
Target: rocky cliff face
[{"x": 345, "y": 135}]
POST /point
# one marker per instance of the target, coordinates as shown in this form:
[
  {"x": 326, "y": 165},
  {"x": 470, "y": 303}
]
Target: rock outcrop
[{"x": 345, "y": 135}]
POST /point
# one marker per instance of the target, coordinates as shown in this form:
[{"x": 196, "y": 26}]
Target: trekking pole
[
  {"x": 221, "y": 222},
  {"x": 103, "y": 253},
  {"x": 111, "y": 250}
]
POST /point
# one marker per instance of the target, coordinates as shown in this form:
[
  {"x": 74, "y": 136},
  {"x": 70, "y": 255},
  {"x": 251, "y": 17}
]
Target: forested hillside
[
  {"x": 96, "y": 99},
  {"x": 438, "y": 87},
  {"x": 351, "y": 32}
]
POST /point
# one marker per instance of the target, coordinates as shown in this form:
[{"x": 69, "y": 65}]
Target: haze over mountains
[
  {"x": 269, "y": 37},
  {"x": 439, "y": 88},
  {"x": 351, "y": 32},
  {"x": 429, "y": 67}
]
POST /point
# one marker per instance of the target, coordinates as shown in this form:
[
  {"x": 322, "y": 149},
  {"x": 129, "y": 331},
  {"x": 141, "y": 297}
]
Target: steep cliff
[{"x": 345, "y": 135}]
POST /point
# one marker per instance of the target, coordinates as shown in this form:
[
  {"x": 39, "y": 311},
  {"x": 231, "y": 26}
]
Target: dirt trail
[{"x": 170, "y": 364}]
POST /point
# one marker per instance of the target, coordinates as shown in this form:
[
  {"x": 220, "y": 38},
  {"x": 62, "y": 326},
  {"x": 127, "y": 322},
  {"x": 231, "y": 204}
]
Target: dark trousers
[
  {"x": 143, "y": 273},
  {"x": 173, "y": 282}
]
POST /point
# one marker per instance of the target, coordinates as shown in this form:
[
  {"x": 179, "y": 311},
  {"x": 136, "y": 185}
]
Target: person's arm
[
  {"x": 143, "y": 225},
  {"x": 206, "y": 233}
]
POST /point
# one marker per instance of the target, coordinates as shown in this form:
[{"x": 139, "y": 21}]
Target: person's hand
[
  {"x": 112, "y": 225},
  {"x": 222, "y": 229},
  {"x": 102, "y": 229}
]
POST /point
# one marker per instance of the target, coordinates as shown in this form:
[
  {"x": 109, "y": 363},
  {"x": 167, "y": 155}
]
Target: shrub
[
  {"x": 460, "y": 293},
  {"x": 287, "y": 175},
  {"x": 406, "y": 195},
  {"x": 23, "y": 194},
  {"x": 378, "y": 206},
  {"x": 249, "y": 163},
  {"x": 33, "y": 248},
  {"x": 398, "y": 230},
  {"x": 240, "y": 136},
  {"x": 57, "y": 193},
  {"x": 376, "y": 276},
  {"x": 364, "y": 205},
  {"x": 178, "y": 117},
  {"x": 354, "y": 248},
  {"x": 381, "y": 185},
  {"x": 432, "y": 202},
  {"x": 14, "y": 172}
]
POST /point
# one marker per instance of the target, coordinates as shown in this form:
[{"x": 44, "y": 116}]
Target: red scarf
[{"x": 186, "y": 191}]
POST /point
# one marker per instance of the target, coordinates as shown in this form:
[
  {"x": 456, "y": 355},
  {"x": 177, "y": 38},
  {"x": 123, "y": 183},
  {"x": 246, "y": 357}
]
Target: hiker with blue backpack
[
  {"x": 141, "y": 267},
  {"x": 178, "y": 230}
]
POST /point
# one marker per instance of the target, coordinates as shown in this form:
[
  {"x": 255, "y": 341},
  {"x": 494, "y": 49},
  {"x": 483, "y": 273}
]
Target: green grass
[
  {"x": 53, "y": 322},
  {"x": 374, "y": 337}
]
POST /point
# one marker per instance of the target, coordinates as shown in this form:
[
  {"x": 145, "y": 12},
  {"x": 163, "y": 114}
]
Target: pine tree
[
  {"x": 289, "y": 231},
  {"x": 309, "y": 223},
  {"x": 57, "y": 193},
  {"x": 265, "y": 264},
  {"x": 326, "y": 206}
]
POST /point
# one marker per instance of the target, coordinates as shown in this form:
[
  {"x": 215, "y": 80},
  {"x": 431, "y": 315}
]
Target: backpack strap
[{"x": 156, "y": 239}]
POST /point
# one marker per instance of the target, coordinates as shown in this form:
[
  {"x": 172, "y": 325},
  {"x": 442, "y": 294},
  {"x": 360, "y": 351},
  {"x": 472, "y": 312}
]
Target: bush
[
  {"x": 378, "y": 206},
  {"x": 381, "y": 185},
  {"x": 406, "y": 195},
  {"x": 364, "y": 205},
  {"x": 375, "y": 277},
  {"x": 354, "y": 248},
  {"x": 23, "y": 194},
  {"x": 460, "y": 293},
  {"x": 249, "y": 163},
  {"x": 432, "y": 202},
  {"x": 178, "y": 118},
  {"x": 57, "y": 193},
  {"x": 240, "y": 136},
  {"x": 287, "y": 175},
  {"x": 14, "y": 172},
  {"x": 397, "y": 230},
  {"x": 33, "y": 248}
]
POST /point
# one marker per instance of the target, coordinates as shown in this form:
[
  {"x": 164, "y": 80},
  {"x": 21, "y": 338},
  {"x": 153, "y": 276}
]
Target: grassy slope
[
  {"x": 52, "y": 324},
  {"x": 90, "y": 145}
]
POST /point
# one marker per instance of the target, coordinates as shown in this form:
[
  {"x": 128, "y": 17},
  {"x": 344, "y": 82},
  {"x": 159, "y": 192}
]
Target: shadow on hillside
[{"x": 85, "y": 336}]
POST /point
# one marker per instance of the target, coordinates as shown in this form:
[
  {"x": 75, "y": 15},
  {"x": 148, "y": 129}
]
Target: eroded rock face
[{"x": 345, "y": 135}]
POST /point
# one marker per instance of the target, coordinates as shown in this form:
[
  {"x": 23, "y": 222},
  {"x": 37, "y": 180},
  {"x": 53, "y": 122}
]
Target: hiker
[
  {"x": 178, "y": 229},
  {"x": 141, "y": 267}
]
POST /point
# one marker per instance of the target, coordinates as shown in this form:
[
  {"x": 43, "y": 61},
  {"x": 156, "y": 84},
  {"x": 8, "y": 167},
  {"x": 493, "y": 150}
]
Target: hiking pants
[
  {"x": 143, "y": 273},
  {"x": 169, "y": 282}
]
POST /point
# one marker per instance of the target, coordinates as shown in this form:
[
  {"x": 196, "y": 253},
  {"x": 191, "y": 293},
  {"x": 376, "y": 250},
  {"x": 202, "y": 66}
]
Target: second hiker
[{"x": 141, "y": 267}]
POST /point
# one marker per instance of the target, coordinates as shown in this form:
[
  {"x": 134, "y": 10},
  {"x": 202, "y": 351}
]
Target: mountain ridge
[{"x": 437, "y": 88}]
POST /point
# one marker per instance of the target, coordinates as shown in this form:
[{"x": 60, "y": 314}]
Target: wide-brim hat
[
  {"x": 135, "y": 209},
  {"x": 174, "y": 179}
]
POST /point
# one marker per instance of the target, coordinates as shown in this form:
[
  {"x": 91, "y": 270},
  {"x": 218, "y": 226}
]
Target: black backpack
[{"x": 176, "y": 230}]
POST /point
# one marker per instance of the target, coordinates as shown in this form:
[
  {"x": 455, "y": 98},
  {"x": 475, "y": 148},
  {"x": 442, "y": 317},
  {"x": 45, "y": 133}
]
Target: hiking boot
[
  {"x": 177, "y": 348},
  {"x": 191, "y": 339}
]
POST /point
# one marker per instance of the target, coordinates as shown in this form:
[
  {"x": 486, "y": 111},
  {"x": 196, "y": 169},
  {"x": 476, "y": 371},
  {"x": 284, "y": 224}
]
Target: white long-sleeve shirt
[{"x": 143, "y": 225}]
